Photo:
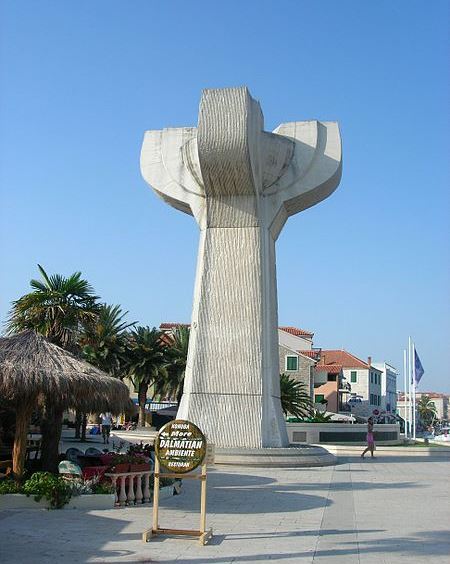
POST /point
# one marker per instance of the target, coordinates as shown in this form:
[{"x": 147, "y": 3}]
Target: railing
[{"x": 131, "y": 488}]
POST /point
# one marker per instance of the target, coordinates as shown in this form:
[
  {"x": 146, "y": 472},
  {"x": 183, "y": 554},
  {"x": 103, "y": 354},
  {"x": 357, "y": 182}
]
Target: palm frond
[{"x": 295, "y": 399}]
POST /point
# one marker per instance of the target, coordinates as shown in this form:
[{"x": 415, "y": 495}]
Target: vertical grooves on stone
[
  {"x": 228, "y": 389},
  {"x": 223, "y": 142}
]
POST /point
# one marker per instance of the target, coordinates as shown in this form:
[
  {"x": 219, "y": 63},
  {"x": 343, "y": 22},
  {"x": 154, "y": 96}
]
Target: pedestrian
[
  {"x": 370, "y": 440},
  {"x": 106, "y": 422}
]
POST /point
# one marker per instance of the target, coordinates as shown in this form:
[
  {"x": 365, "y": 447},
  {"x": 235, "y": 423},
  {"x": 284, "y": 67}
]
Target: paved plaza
[{"x": 385, "y": 511}]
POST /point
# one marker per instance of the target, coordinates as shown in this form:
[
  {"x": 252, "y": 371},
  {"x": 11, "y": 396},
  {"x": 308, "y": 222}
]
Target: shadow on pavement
[
  {"x": 391, "y": 459},
  {"x": 419, "y": 546},
  {"x": 288, "y": 534}
]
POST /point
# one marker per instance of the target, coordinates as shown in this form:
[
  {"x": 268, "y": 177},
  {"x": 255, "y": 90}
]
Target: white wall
[
  {"x": 293, "y": 342},
  {"x": 365, "y": 388},
  {"x": 388, "y": 386}
]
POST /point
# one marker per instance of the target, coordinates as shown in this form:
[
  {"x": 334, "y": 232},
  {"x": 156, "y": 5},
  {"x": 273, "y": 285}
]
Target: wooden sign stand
[{"x": 203, "y": 535}]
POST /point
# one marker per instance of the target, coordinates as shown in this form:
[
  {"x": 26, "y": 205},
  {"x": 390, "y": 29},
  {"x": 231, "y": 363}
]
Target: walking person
[
  {"x": 370, "y": 439},
  {"x": 106, "y": 422}
]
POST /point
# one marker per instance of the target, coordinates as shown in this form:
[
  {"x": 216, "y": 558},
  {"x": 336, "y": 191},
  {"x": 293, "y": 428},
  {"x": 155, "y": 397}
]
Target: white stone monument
[{"x": 241, "y": 184}]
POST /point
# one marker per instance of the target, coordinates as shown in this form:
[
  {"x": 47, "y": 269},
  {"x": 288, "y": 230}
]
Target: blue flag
[{"x": 418, "y": 368}]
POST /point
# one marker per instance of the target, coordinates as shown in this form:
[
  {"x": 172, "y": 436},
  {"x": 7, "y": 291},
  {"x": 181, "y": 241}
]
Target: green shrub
[
  {"x": 9, "y": 487},
  {"x": 320, "y": 417},
  {"x": 44, "y": 484}
]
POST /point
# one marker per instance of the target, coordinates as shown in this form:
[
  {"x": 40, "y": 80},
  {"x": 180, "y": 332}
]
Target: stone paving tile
[{"x": 359, "y": 511}]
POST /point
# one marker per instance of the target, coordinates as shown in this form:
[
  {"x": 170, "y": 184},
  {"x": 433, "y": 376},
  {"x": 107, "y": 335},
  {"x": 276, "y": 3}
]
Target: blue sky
[{"x": 82, "y": 80}]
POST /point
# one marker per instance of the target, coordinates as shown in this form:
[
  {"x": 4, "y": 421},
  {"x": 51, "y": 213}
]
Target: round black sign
[{"x": 180, "y": 446}]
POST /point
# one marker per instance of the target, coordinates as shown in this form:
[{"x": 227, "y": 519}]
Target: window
[
  {"x": 331, "y": 378},
  {"x": 353, "y": 376},
  {"x": 319, "y": 398},
  {"x": 371, "y": 377},
  {"x": 371, "y": 399},
  {"x": 292, "y": 363}
]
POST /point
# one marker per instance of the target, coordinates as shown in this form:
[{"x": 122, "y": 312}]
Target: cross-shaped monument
[{"x": 241, "y": 184}]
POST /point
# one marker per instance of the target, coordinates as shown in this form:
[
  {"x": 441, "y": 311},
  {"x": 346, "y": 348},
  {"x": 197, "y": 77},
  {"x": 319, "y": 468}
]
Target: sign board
[{"x": 180, "y": 446}]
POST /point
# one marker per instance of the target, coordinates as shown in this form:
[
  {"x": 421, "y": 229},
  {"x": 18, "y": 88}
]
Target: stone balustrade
[{"x": 131, "y": 488}]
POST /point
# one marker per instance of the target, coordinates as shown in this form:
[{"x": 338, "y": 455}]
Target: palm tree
[
  {"x": 176, "y": 352},
  {"x": 427, "y": 410},
  {"x": 103, "y": 344},
  {"x": 146, "y": 362},
  {"x": 57, "y": 308},
  {"x": 295, "y": 399},
  {"x": 320, "y": 417},
  {"x": 103, "y": 340}
]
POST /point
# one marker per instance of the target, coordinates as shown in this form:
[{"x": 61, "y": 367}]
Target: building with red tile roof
[
  {"x": 343, "y": 358},
  {"x": 297, "y": 332},
  {"x": 337, "y": 370}
]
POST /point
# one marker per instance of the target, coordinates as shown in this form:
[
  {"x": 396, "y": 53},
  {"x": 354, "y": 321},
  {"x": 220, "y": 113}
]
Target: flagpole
[
  {"x": 409, "y": 389},
  {"x": 405, "y": 412},
  {"x": 414, "y": 388}
]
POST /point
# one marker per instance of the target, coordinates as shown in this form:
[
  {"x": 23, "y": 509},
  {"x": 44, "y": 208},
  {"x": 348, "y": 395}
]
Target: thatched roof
[{"x": 32, "y": 366}]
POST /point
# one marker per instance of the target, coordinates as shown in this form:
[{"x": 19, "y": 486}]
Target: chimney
[{"x": 369, "y": 360}]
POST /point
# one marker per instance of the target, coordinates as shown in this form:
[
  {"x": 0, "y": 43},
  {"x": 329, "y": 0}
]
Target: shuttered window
[{"x": 292, "y": 363}]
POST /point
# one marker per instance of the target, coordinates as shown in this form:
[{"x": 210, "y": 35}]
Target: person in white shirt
[{"x": 106, "y": 422}]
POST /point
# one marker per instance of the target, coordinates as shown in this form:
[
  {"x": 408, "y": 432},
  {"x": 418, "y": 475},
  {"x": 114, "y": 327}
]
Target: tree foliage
[
  {"x": 57, "y": 307},
  {"x": 146, "y": 362},
  {"x": 175, "y": 351},
  {"x": 103, "y": 340},
  {"x": 295, "y": 399},
  {"x": 427, "y": 410}
]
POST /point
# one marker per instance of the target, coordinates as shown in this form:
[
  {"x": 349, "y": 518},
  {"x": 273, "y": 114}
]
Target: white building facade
[{"x": 388, "y": 386}]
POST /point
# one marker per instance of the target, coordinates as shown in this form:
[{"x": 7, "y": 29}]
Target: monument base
[{"x": 298, "y": 456}]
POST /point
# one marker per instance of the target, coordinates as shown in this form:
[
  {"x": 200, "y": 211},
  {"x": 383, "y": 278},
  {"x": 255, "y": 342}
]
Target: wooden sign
[{"x": 180, "y": 446}]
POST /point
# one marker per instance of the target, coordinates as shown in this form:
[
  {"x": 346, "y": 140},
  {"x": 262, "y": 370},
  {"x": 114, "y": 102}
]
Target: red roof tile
[
  {"x": 344, "y": 358},
  {"x": 173, "y": 325},
  {"x": 311, "y": 354},
  {"x": 297, "y": 332},
  {"x": 329, "y": 368}
]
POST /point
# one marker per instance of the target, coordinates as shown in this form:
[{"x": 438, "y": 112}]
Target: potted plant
[
  {"x": 140, "y": 457},
  {"x": 119, "y": 463}
]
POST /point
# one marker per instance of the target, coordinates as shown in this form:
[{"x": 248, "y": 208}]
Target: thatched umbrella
[{"x": 33, "y": 370}]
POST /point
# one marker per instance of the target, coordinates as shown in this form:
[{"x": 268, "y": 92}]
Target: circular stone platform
[{"x": 297, "y": 456}]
